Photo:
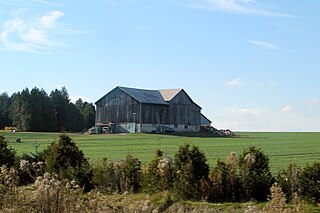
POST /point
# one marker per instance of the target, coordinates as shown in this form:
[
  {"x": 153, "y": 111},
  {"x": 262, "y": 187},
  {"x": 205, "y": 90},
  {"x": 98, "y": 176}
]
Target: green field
[{"x": 282, "y": 148}]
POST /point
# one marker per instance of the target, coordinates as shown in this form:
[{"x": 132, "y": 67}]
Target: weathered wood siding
[
  {"x": 155, "y": 114},
  {"x": 118, "y": 107},
  {"x": 184, "y": 111}
]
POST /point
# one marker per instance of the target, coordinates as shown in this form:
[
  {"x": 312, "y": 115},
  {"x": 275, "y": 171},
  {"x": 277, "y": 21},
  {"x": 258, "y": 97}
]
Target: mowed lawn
[{"x": 282, "y": 148}]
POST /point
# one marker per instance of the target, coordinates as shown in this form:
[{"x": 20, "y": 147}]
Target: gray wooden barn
[{"x": 141, "y": 110}]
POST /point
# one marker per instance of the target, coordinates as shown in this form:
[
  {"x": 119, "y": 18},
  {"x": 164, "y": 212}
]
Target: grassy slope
[{"x": 282, "y": 148}]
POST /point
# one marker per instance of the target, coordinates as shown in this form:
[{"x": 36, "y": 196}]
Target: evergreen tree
[
  {"x": 75, "y": 121},
  {"x": 190, "y": 168},
  {"x": 255, "y": 173},
  {"x": 42, "y": 111},
  {"x": 66, "y": 159},
  {"x": 5, "y": 103},
  {"x": 88, "y": 112},
  {"x": 60, "y": 99},
  {"x": 20, "y": 110}
]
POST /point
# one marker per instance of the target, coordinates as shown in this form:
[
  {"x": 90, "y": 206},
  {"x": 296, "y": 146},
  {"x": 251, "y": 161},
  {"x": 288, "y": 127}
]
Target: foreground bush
[
  {"x": 224, "y": 184},
  {"x": 310, "y": 181},
  {"x": 7, "y": 155},
  {"x": 104, "y": 177},
  {"x": 8, "y": 182},
  {"x": 255, "y": 174},
  {"x": 190, "y": 168},
  {"x": 290, "y": 180},
  {"x": 157, "y": 174},
  {"x": 65, "y": 159},
  {"x": 119, "y": 176},
  {"x": 49, "y": 194}
]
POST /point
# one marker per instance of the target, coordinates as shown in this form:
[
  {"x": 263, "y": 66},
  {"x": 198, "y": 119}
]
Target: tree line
[{"x": 36, "y": 111}]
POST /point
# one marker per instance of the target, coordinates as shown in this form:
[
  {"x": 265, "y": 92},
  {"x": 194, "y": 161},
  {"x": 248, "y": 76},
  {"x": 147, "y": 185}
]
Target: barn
[{"x": 142, "y": 110}]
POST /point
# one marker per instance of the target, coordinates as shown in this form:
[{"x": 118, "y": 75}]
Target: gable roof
[
  {"x": 169, "y": 94},
  {"x": 145, "y": 96}
]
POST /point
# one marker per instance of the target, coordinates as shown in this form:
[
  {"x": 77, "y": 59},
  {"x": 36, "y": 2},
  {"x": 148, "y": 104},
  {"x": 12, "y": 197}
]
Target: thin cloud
[
  {"x": 287, "y": 108},
  {"x": 235, "y": 82},
  {"x": 313, "y": 103},
  {"x": 245, "y": 7},
  {"x": 49, "y": 20},
  {"x": 264, "y": 119},
  {"x": 268, "y": 45},
  {"x": 31, "y": 34}
]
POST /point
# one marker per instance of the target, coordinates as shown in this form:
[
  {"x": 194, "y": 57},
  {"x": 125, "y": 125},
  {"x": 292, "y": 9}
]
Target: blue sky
[{"x": 251, "y": 64}]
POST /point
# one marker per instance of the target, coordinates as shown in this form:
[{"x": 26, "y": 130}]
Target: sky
[{"x": 252, "y": 65}]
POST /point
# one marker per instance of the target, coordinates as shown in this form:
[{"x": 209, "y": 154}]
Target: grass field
[{"x": 282, "y": 148}]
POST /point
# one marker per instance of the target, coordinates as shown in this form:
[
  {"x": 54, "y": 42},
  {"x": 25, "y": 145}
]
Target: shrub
[
  {"x": 104, "y": 177},
  {"x": 255, "y": 174},
  {"x": 8, "y": 180},
  {"x": 310, "y": 181},
  {"x": 289, "y": 180},
  {"x": 119, "y": 176},
  {"x": 224, "y": 183},
  {"x": 277, "y": 202},
  {"x": 157, "y": 175},
  {"x": 131, "y": 171},
  {"x": 190, "y": 168},
  {"x": 7, "y": 155},
  {"x": 29, "y": 167},
  {"x": 65, "y": 159}
]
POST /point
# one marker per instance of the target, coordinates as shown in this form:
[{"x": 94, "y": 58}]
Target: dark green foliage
[
  {"x": 60, "y": 99},
  {"x": 7, "y": 155},
  {"x": 5, "y": 103},
  {"x": 88, "y": 112},
  {"x": 104, "y": 177},
  {"x": 42, "y": 111},
  {"x": 120, "y": 176},
  {"x": 224, "y": 184},
  {"x": 65, "y": 159},
  {"x": 75, "y": 122},
  {"x": 190, "y": 168},
  {"x": 157, "y": 175},
  {"x": 289, "y": 180},
  {"x": 69, "y": 117},
  {"x": 255, "y": 174},
  {"x": 131, "y": 171},
  {"x": 21, "y": 116},
  {"x": 33, "y": 111},
  {"x": 310, "y": 181}
]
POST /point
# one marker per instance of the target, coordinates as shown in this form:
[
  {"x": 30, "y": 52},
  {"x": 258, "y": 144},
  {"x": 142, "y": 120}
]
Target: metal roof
[
  {"x": 145, "y": 96},
  {"x": 169, "y": 94}
]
